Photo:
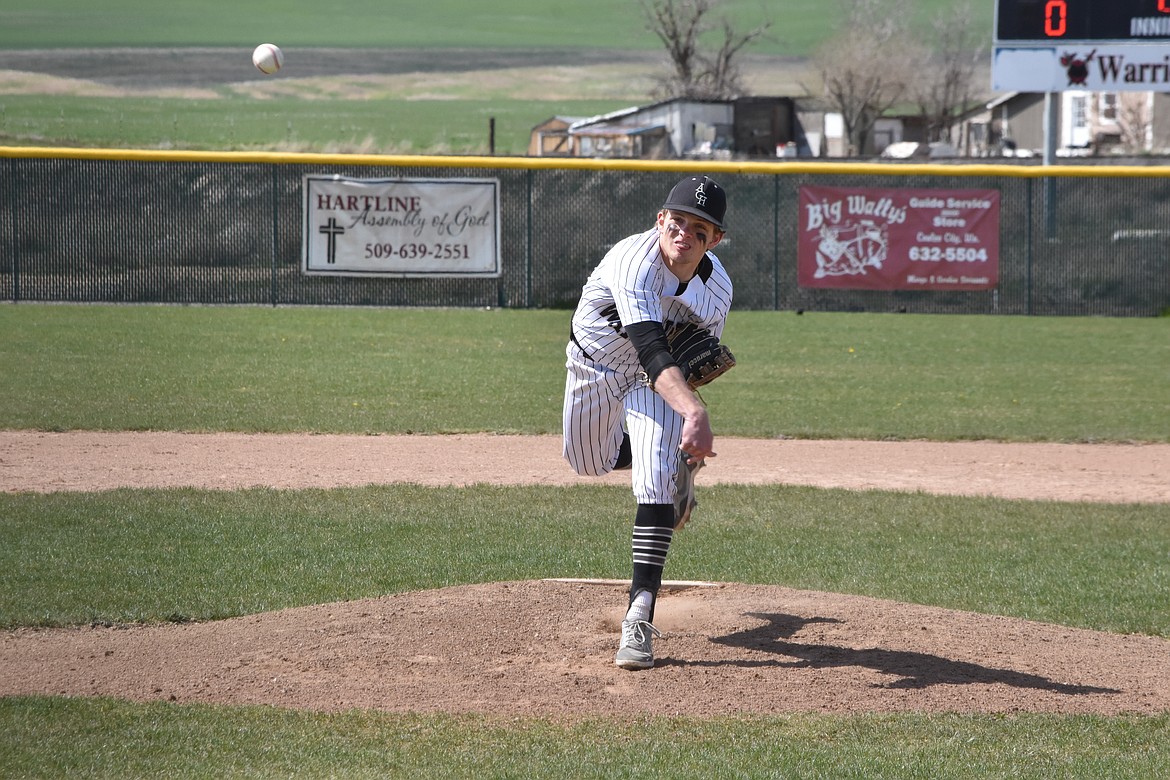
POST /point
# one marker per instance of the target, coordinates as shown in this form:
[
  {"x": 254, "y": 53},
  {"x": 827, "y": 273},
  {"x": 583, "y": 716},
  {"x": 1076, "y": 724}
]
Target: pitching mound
[{"x": 546, "y": 648}]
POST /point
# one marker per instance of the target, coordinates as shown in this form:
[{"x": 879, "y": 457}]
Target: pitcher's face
[{"x": 685, "y": 238}]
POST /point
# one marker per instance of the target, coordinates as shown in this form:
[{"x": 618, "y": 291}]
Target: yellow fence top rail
[{"x": 581, "y": 163}]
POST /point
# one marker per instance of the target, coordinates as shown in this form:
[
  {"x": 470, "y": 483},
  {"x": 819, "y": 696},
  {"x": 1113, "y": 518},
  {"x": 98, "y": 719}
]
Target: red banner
[{"x": 865, "y": 239}]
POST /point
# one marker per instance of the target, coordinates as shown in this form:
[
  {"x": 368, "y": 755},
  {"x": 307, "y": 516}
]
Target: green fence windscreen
[{"x": 224, "y": 229}]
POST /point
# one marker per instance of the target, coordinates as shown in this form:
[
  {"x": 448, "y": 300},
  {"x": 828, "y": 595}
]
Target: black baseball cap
[{"x": 701, "y": 196}]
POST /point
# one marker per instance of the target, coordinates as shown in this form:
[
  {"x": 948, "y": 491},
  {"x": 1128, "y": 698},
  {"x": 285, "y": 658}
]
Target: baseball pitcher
[{"x": 644, "y": 335}]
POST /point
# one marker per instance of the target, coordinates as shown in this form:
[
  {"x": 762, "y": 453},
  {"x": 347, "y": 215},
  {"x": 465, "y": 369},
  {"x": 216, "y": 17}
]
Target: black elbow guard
[{"x": 649, "y": 339}]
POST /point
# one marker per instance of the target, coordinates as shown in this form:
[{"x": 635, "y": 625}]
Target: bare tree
[
  {"x": 679, "y": 24},
  {"x": 945, "y": 87},
  {"x": 1134, "y": 120},
  {"x": 867, "y": 66}
]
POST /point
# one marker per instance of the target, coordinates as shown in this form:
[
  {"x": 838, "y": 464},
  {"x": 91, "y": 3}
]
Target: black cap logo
[{"x": 701, "y": 196}]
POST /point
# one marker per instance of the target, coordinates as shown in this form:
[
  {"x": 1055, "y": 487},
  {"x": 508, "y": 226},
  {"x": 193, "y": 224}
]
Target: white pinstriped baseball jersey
[{"x": 632, "y": 284}]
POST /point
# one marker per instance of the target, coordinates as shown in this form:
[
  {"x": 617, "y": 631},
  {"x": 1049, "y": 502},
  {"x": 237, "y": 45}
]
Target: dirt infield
[
  {"x": 546, "y": 647},
  {"x": 39, "y": 461}
]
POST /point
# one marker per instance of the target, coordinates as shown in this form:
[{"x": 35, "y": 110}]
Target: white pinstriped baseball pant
[{"x": 597, "y": 399}]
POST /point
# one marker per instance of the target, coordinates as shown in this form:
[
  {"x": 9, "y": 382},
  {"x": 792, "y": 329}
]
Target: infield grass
[
  {"x": 176, "y": 555},
  {"x": 88, "y": 738}
]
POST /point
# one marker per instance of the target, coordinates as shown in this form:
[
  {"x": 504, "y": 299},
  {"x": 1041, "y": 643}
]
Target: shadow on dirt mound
[{"x": 545, "y": 648}]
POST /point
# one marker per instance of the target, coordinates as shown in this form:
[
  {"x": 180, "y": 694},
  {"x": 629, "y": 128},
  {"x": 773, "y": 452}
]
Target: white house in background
[
  {"x": 1088, "y": 124},
  {"x": 749, "y": 127}
]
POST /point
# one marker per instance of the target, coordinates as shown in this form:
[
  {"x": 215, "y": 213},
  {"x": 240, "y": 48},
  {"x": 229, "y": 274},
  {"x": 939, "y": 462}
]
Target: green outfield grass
[{"x": 819, "y": 375}]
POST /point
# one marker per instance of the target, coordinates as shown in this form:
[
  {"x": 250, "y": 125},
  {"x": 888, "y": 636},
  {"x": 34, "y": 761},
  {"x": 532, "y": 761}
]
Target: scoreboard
[
  {"x": 1082, "y": 20},
  {"x": 1097, "y": 45}
]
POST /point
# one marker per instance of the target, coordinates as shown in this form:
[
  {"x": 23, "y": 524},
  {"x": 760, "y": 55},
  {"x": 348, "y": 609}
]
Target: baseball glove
[{"x": 698, "y": 353}]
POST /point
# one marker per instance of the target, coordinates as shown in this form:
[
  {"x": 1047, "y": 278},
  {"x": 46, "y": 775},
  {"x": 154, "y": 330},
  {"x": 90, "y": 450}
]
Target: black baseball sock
[{"x": 653, "y": 531}]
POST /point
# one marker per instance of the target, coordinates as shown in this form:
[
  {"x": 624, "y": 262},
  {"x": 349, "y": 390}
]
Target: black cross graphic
[{"x": 333, "y": 230}]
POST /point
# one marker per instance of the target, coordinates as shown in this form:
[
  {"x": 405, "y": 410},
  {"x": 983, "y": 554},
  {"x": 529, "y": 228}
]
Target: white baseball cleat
[{"x": 636, "y": 650}]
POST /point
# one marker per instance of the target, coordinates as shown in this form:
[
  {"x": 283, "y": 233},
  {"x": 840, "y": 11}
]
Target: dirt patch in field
[
  {"x": 370, "y": 74},
  {"x": 546, "y": 647},
  {"x": 88, "y": 460}
]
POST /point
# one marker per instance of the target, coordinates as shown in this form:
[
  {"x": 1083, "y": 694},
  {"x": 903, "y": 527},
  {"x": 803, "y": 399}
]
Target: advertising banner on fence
[
  {"x": 401, "y": 227},
  {"x": 898, "y": 239}
]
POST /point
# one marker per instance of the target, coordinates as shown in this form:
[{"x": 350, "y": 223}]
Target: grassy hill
[
  {"x": 359, "y": 75},
  {"x": 797, "y": 25}
]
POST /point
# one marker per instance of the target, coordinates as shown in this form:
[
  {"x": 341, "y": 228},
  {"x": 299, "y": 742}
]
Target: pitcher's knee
[{"x": 588, "y": 467}]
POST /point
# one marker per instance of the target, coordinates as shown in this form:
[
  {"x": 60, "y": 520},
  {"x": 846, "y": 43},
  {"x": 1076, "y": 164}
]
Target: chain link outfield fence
[{"x": 226, "y": 228}]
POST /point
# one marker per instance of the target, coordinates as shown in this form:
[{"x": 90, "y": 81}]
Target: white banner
[
  {"x": 1120, "y": 67},
  {"x": 401, "y": 227}
]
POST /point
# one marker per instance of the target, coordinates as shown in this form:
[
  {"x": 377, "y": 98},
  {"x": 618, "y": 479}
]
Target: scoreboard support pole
[{"x": 1051, "y": 125}]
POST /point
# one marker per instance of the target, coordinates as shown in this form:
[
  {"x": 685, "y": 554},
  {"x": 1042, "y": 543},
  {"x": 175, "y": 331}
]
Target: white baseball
[{"x": 268, "y": 58}]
